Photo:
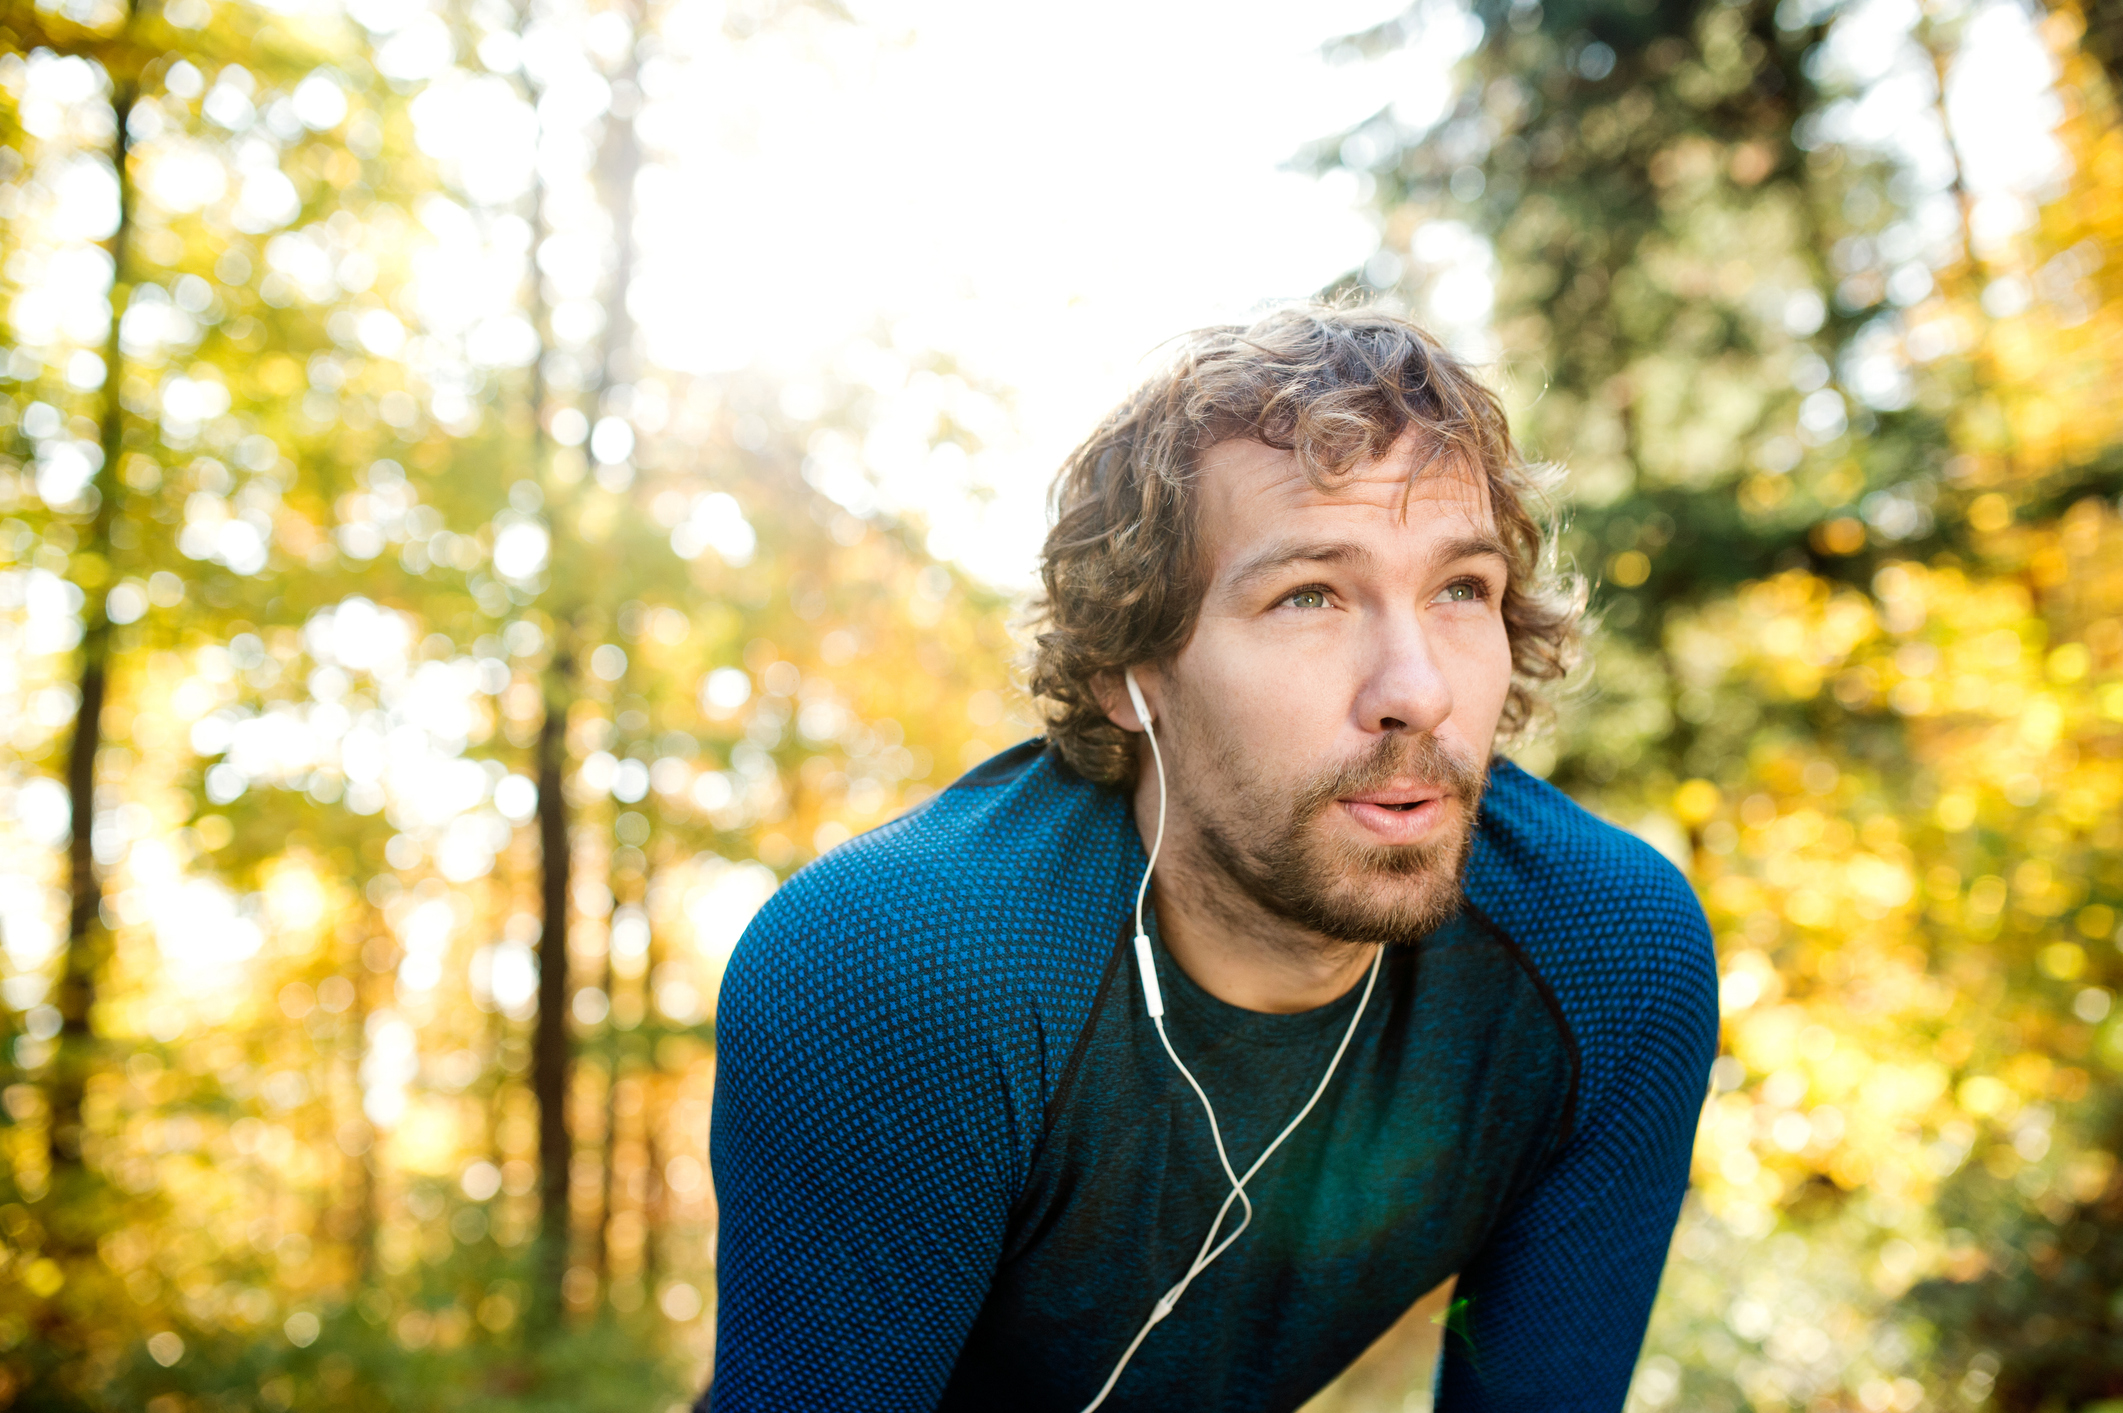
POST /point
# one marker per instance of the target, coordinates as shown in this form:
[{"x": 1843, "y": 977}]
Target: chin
[
  {"x": 1346, "y": 891},
  {"x": 1399, "y": 906}
]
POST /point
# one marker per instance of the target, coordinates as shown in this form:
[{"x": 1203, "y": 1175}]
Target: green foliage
[
  {"x": 1855, "y": 567},
  {"x": 2040, "y": 1324},
  {"x": 354, "y": 579},
  {"x": 358, "y": 1360},
  {"x": 270, "y": 1135}
]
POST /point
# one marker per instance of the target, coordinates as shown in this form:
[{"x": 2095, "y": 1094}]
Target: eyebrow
[
  {"x": 1278, "y": 557},
  {"x": 1471, "y": 547}
]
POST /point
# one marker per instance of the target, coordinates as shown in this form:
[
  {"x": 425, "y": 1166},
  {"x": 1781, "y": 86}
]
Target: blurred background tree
[
  {"x": 411, "y": 686},
  {"x": 1836, "y": 473},
  {"x": 442, "y": 694}
]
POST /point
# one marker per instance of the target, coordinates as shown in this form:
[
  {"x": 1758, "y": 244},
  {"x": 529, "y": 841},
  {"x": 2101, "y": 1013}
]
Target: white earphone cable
[
  {"x": 1157, "y": 840},
  {"x": 1211, "y": 1248}
]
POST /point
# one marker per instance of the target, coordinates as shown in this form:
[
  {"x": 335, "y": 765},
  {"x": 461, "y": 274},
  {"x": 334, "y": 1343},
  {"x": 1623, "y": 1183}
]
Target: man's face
[{"x": 1327, "y": 728}]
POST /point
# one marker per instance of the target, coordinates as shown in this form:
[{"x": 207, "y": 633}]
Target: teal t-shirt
[{"x": 1456, "y": 1087}]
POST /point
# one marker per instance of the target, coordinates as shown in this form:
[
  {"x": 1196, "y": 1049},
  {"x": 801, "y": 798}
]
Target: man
[{"x": 961, "y": 1155}]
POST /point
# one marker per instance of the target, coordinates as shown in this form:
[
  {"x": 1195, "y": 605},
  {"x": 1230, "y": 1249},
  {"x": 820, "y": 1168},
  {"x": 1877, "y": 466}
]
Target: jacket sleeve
[
  {"x": 863, "y": 1144},
  {"x": 1550, "y": 1316}
]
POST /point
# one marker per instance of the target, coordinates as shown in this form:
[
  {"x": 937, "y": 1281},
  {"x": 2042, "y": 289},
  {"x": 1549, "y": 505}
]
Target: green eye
[
  {"x": 1308, "y": 598},
  {"x": 1462, "y": 592}
]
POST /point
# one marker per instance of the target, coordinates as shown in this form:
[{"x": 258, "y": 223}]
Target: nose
[{"x": 1404, "y": 687}]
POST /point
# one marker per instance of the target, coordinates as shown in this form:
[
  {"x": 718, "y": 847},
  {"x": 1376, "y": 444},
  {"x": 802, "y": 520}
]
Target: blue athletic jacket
[{"x": 900, "y": 1033}]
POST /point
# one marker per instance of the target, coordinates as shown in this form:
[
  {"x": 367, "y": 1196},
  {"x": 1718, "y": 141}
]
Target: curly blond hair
[{"x": 1123, "y": 569}]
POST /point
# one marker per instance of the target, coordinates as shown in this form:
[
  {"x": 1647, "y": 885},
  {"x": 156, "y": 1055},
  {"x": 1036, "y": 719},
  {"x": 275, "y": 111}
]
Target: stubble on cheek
[{"x": 1278, "y": 848}]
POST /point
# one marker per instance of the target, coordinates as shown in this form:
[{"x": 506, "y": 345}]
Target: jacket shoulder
[
  {"x": 1533, "y": 838},
  {"x": 1015, "y": 858},
  {"x": 1609, "y": 922},
  {"x": 969, "y": 933}
]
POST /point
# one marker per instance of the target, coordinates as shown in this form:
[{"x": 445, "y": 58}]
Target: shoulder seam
[
  {"x": 1067, "y": 1081},
  {"x": 1568, "y": 1128},
  {"x": 1013, "y": 1225}
]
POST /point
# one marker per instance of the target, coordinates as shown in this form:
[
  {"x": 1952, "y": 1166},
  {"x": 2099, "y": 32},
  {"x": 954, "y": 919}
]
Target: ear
[{"x": 1112, "y": 694}]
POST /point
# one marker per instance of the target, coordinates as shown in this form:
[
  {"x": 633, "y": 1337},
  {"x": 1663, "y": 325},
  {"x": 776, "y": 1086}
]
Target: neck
[{"x": 1228, "y": 944}]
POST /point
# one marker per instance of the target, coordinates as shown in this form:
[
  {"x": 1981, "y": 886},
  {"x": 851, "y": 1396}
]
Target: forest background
[{"x": 409, "y": 684}]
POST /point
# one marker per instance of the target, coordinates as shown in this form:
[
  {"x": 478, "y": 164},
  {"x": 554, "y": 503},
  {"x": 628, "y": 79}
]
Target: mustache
[{"x": 1395, "y": 757}]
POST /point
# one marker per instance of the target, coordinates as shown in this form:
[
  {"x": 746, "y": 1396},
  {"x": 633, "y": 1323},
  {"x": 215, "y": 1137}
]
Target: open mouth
[
  {"x": 1402, "y": 800},
  {"x": 1397, "y": 816}
]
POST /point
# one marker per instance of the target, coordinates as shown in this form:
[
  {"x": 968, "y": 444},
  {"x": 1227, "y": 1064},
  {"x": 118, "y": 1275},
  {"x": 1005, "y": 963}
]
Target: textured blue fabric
[
  {"x": 896, "y": 1022},
  {"x": 1558, "y": 1301}
]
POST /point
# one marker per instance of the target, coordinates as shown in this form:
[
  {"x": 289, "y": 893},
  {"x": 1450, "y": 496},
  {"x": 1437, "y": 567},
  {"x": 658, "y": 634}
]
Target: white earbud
[
  {"x": 1143, "y": 961},
  {"x": 1154, "y": 1001},
  {"x": 1135, "y": 698}
]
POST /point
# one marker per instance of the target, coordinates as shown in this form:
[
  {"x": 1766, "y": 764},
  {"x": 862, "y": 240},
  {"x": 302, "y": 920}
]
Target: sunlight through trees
[{"x": 410, "y": 688}]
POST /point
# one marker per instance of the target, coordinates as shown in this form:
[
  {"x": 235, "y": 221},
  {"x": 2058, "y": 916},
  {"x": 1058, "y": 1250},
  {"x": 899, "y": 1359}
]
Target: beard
[{"x": 1282, "y": 857}]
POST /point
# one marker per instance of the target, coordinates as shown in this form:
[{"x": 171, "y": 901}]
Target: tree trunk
[
  {"x": 618, "y": 166},
  {"x": 550, "y": 1057},
  {"x": 655, "y": 1210},
  {"x": 551, "y": 1049},
  {"x": 368, "y": 1207},
  {"x": 611, "y": 1129},
  {"x": 87, "y": 939},
  {"x": 655, "y": 1112}
]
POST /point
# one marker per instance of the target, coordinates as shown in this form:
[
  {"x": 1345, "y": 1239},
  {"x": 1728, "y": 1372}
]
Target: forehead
[{"x": 1250, "y": 493}]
